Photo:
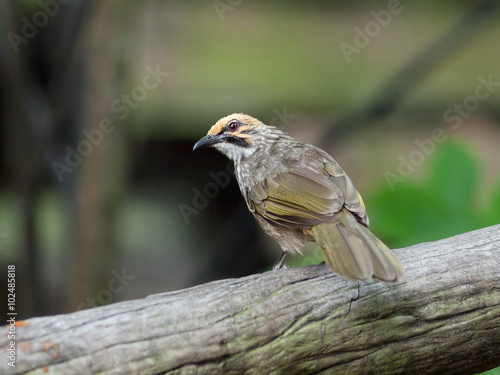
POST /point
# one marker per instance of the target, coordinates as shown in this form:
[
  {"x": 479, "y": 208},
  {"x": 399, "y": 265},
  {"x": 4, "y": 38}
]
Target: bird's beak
[{"x": 208, "y": 140}]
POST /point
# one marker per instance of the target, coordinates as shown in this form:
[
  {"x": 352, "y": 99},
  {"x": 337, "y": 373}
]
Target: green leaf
[
  {"x": 454, "y": 176},
  {"x": 404, "y": 217},
  {"x": 442, "y": 207},
  {"x": 493, "y": 216}
]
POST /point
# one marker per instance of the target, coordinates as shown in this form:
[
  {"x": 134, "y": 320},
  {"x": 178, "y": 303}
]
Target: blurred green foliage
[
  {"x": 265, "y": 55},
  {"x": 444, "y": 203},
  {"x": 495, "y": 371}
]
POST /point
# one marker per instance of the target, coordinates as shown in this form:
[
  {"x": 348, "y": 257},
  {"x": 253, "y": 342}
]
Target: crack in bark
[{"x": 295, "y": 322}]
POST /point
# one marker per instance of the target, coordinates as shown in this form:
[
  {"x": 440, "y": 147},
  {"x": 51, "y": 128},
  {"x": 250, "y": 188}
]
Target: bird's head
[{"x": 237, "y": 136}]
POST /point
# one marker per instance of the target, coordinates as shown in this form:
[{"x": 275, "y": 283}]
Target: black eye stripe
[{"x": 237, "y": 141}]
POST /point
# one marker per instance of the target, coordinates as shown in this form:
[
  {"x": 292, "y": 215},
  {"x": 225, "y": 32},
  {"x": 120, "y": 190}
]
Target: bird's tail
[{"x": 353, "y": 252}]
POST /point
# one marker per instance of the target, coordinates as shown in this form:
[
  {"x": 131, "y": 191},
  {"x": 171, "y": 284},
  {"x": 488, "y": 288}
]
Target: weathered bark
[{"x": 444, "y": 319}]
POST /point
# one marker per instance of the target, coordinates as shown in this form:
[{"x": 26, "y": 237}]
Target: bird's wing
[
  {"x": 352, "y": 199},
  {"x": 299, "y": 198}
]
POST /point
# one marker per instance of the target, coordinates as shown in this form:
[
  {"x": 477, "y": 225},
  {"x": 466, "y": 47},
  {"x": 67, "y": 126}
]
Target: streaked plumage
[{"x": 298, "y": 193}]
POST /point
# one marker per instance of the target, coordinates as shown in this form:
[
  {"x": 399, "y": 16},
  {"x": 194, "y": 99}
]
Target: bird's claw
[{"x": 280, "y": 266}]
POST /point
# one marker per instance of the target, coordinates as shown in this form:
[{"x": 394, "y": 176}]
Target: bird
[{"x": 299, "y": 194}]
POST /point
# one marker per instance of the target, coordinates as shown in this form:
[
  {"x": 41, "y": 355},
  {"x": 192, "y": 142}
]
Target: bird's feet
[
  {"x": 280, "y": 267},
  {"x": 280, "y": 260}
]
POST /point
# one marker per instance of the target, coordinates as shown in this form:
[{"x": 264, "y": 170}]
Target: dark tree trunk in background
[
  {"x": 391, "y": 94},
  {"x": 26, "y": 124},
  {"x": 56, "y": 86},
  {"x": 100, "y": 176}
]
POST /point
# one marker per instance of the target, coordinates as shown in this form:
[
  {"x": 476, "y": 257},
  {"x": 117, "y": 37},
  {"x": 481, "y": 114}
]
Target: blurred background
[{"x": 102, "y": 198}]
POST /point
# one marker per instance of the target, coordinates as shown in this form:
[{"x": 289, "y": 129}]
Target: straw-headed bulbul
[{"x": 298, "y": 194}]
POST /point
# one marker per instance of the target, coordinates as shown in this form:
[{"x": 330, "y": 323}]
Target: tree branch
[
  {"x": 392, "y": 92},
  {"x": 444, "y": 319}
]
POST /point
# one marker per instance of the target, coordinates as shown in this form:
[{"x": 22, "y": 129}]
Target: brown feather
[{"x": 299, "y": 193}]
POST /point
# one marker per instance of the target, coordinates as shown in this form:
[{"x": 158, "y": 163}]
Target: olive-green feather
[
  {"x": 299, "y": 199},
  {"x": 352, "y": 199},
  {"x": 306, "y": 189},
  {"x": 353, "y": 252},
  {"x": 329, "y": 205}
]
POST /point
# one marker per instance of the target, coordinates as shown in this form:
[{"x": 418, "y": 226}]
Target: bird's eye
[{"x": 233, "y": 125}]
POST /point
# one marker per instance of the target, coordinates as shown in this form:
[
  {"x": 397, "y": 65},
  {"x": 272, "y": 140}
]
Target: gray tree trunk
[{"x": 444, "y": 319}]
